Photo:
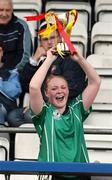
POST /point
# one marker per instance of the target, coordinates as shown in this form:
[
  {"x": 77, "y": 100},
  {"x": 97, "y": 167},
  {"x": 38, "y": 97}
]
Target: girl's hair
[{"x": 51, "y": 76}]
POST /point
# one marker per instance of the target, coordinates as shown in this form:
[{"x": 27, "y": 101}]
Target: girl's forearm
[
  {"x": 39, "y": 76},
  {"x": 88, "y": 69}
]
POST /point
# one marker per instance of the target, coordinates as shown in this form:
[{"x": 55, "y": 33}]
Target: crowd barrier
[
  {"x": 32, "y": 130},
  {"x": 50, "y": 168}
]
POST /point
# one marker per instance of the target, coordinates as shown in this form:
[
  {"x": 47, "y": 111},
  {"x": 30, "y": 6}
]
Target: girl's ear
[{"x": 46, "y": 94}]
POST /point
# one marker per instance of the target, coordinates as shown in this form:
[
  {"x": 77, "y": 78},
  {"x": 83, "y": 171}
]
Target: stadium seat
[
  {"x": 83, "y": 8},
  {"x": 28, "y": 8},
  {"x": 79, "y": 38},
  {"x": 4, "y": 149},
  {"x": 32, "y": 4},
  {"x": 29, "y": 177},
  {"x": 23, "y": 177},
  {"x": 99, "y": 119},
  {"x": 102, "y": 63},
  {"x": 103, "y": 100},
  {"x": 103, "y": 10},
  {"x": 101, "y": 38},
  {"x": 26, "y": 100},
  {"x": 2, "y": 177},
  {"x": 26, "y": 145},
  {"x": 99, "y": 147}
]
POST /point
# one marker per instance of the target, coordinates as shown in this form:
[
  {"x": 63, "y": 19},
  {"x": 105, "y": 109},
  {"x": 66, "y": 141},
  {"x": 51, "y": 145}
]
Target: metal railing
[{"x": 32, "y": 130}]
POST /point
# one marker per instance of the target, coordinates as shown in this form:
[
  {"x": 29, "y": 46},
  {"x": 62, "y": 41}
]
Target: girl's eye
[
  {"x": 53, "y": 89},
  {"x": 64, "y": 87}
]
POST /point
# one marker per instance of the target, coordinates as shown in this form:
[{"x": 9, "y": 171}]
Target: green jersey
[{"x": 62, "y": 135}]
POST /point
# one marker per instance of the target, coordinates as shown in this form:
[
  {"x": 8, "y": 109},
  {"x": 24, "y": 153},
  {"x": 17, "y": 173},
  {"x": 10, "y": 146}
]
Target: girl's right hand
[{"x": 51, "y": 54}]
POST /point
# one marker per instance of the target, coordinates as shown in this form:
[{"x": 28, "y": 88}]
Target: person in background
[
  {"x": 59, "y": 122},
  {"x": 10, "y": 89},
  {"x": 15, "y": 34}
]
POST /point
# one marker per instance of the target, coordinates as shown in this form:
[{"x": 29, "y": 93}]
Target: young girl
[{"x": 59, "y": 123}]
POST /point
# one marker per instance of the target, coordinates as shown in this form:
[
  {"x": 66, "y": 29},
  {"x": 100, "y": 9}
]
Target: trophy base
[
  {"x": 65, "y": 53},
  {"x": 63, "y": 49}
]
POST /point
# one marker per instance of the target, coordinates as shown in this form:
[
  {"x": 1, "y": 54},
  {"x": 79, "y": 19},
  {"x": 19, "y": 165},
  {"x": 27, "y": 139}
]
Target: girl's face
[{"x": 57, "y": 92}]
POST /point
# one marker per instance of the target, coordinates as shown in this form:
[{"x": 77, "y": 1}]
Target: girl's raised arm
[
  {"x": 94, "y": 81},
  {"x": 36, "y": 98}
]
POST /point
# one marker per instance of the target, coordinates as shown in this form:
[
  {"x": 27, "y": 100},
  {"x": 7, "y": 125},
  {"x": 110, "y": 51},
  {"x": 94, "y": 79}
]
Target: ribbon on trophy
[{"x": 62, "y": 22}]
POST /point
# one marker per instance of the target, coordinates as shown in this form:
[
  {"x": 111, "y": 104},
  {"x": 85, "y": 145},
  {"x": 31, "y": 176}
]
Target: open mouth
[{"x": 60, "y": 98}]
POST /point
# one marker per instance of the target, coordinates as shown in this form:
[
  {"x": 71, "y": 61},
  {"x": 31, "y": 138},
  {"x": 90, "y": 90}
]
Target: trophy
[
  {"x": 62, "y": 48},
  {"x": 63, "y": 22},
  {"x": 68, "y": 20},
  {"x": 63, "y": 18}
]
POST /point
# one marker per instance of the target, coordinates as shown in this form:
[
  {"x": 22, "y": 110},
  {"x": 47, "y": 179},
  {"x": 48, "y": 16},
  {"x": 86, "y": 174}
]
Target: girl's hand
[
  {"x": 76, "y": 56},
  {"x": 51, "y": 54}
]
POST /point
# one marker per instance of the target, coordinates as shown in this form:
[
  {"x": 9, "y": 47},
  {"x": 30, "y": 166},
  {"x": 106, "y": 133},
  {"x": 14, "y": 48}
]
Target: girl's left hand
[{"x": 77, "y": 56}]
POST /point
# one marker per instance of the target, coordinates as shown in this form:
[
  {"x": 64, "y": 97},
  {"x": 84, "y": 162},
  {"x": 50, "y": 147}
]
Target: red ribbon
[
  {"x": 65, "y": 36},
  {"x": 35, "y": 18}
]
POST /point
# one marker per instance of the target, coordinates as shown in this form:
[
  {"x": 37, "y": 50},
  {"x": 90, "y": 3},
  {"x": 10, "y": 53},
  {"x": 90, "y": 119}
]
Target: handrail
[
  {"x": 32, "y": 130},
  {"x": 67, "y": 168},
  {"x": 17, "y": 130}
]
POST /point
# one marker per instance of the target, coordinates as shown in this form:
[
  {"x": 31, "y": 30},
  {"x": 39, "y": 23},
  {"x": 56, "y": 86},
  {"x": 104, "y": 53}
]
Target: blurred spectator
[
  {"x": 10, "y": 89},
  {"x": 16, "y": 36},
  {"x": 19, "y": 116}
]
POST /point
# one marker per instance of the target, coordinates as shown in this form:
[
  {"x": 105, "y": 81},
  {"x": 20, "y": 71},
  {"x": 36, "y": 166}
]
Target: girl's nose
[{"x": 59, "y": 90}]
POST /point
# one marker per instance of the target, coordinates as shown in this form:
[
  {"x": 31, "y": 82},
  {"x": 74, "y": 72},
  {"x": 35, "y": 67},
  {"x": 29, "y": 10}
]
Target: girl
[{"x": 59, "y": 123}]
